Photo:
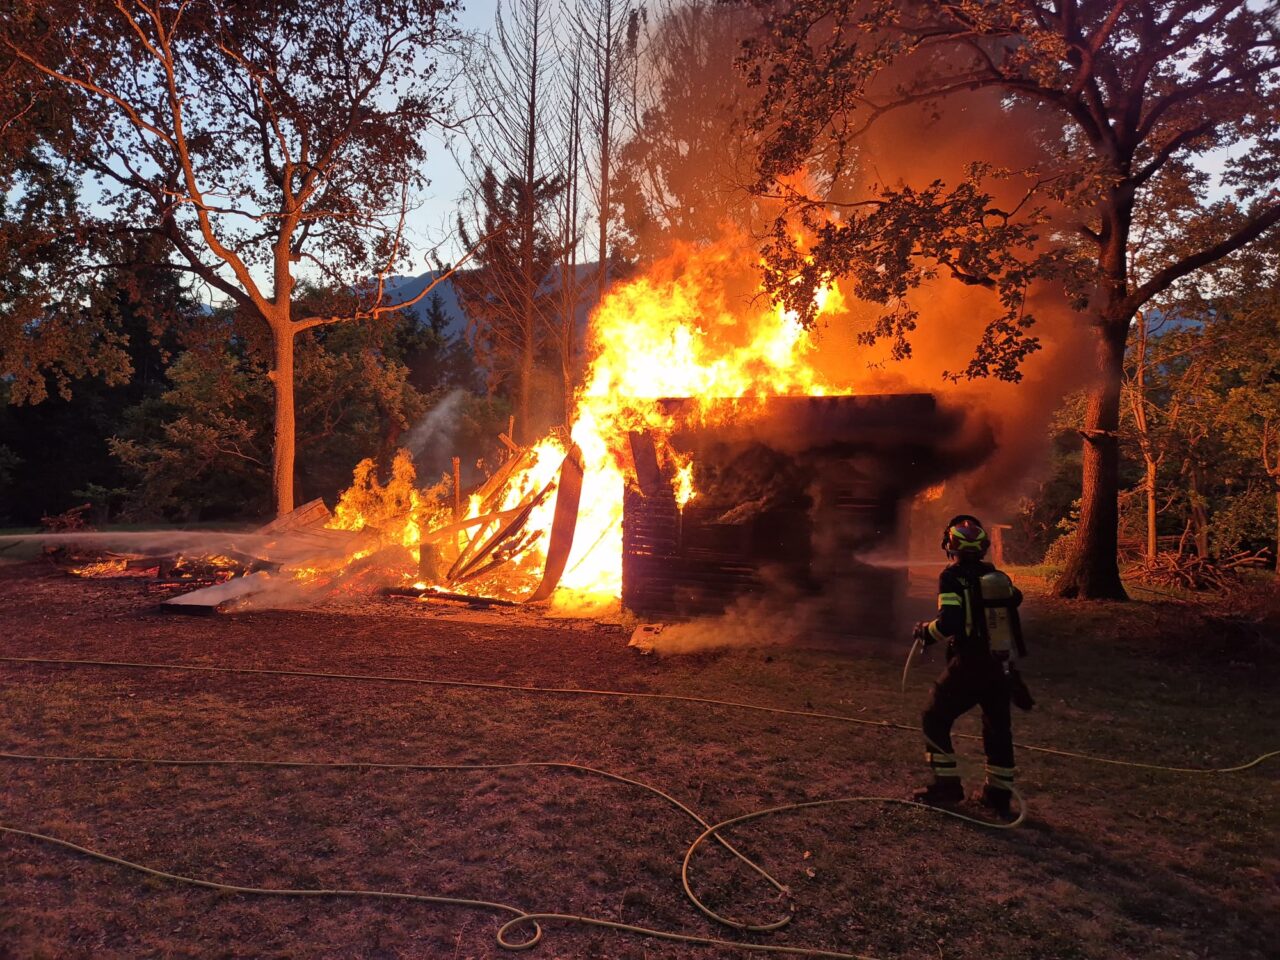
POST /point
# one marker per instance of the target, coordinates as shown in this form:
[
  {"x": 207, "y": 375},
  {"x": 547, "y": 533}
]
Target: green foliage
[
  {"x": 1101, "y": 144},
  {"x": 307, "y": 115},
  {"x": 1059, "y": 551},
  {"x": 250, "y": 138},
  {"x": 198, "y": 450},
  {"x": 58, "y": 446},
  {"x": 203, "y": 449},
  {"x": 1039, "y": 520},
  {"x": 1202, "y": 403},
  {"x": 905, "y": 238},
  {"x": 435, "y": 360},
  {"x": 480, "y": 421},
  {"x": 1243, "y": 520},
  {"x": 1104, "y": 112},
  {"x": 55, "y": 327}
]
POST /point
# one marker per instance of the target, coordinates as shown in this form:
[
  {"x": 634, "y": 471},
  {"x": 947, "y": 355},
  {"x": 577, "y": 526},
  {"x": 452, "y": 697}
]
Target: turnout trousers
[{"x": 968, "y": 682}]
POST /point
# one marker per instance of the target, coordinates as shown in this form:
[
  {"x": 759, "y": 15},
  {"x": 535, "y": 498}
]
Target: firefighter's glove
[
  {"x": 1019, "y": 695},
  {"x": 923, "y": 634}
]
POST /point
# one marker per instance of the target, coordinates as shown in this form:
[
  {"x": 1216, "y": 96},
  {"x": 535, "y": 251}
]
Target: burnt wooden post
[{"x": 457, "y": 489}]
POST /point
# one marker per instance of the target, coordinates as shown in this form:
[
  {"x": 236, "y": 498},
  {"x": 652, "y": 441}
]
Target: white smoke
[
  {"x": 287, "y": 548},
  {"x": 778, "y": 616},
  {"x": 431, "y": 440}
]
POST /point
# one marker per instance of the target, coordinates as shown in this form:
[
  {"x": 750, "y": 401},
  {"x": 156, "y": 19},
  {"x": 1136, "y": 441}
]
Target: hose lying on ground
[
  {"x": 521, "y": 917},
  {"x": 620, "y": 694}
]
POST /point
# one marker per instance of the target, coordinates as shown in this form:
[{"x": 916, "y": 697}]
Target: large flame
[{"x": 694, "y": 325}]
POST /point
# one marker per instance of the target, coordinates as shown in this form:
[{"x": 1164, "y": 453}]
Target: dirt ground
[{"x": 1114, "y": 862}]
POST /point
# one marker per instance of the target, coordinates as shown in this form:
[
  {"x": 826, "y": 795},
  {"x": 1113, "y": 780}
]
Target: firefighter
[{"x": 978, "y": 621}]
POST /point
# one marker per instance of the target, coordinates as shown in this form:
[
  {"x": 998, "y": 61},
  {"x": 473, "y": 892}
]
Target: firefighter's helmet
[{"x": 964, "y": 536}]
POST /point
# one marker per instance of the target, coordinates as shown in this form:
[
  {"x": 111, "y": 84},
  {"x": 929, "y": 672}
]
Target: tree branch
[
  {"x": 379, "y": 310},
  {"x": 1249, "y": 232}
]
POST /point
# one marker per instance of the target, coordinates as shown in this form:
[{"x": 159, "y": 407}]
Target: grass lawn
[{"x": 1114, "y": 862}]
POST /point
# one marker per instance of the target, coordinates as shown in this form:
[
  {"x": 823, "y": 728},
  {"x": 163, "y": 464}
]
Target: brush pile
[{"x": 1190, "y": 571}]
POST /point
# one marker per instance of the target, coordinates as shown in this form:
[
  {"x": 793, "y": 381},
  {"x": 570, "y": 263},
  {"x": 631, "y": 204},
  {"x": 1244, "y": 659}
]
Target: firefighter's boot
[
  {"x": 946, "y": 787},
  {"x": 998, "y": 791},
  {"x": 996, "y": 801},
  {"x": 942, "y": 792}
]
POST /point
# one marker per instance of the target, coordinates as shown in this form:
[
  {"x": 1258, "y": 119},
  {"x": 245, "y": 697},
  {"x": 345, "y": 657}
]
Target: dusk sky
[{"x": 434, "y": 223}]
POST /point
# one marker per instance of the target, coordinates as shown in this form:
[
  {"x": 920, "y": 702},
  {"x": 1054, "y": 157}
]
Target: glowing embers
[
  {"x": 182, "y": 570},
  {"x": 115, "y": 567}
]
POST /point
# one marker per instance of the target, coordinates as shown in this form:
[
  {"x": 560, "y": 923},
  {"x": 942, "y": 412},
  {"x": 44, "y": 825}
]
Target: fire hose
[
  {"x": 527, "y": 919},
  {"x": 916, "y": 647},
  {"x": 520, "y": 917},
  {"x": 622, "y": 695}
]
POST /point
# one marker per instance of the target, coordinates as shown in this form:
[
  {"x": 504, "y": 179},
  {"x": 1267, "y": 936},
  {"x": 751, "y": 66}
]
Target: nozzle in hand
[{"x": 923, "y": 634}]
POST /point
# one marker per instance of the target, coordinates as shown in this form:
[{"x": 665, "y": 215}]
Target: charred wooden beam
[
  {"x": 645, "y": 457},
  {"x": 430, "y": 593},
  {"x": 474, "y": 556},
  {"x": 563, "y": 524}
]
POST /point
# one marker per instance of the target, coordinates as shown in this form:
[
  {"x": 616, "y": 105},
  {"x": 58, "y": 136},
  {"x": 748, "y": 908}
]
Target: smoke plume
[{"x": 433, "y": 439}]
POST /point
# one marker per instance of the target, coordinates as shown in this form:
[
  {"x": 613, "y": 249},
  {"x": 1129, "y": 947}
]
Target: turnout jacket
[{"x": 960, "y": 621}]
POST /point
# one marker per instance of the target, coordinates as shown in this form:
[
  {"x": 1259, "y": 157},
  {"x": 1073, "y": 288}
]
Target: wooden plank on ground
[{"x": 313, "y": 514}]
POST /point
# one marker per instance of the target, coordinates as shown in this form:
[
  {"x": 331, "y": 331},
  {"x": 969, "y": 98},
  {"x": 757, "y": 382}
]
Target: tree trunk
[
  {"x": 1199, "y": 515},
  {"x": 1278, "y": 531},
  {"x": 1093, "y": 572},
  {"x": 523, "y": 433},
  {"x": 606, "y": 129},
  {"x": 1139, "y": 404},
  {"x": 1152, "y": 507},
  {"x": 523, "y": 426},
  {"x": 283, "y": 448}
]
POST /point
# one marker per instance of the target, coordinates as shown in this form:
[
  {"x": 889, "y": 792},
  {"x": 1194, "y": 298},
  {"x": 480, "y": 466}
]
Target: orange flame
[{"x": 695, "y": 325}]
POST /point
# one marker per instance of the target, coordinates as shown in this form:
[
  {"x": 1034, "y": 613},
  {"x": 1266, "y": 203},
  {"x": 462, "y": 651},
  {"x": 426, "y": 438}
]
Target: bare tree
[
  {"x": 1162, "y": 378},
  {"x": 258, "y": 137},
  {"x": 516, "y": 178},
  {"x": 563, "y": 324},
  {"x": 609, "y": 30}
]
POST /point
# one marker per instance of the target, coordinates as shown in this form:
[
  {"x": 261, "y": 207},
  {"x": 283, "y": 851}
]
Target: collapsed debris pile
[{"x": 212, "y": 571}]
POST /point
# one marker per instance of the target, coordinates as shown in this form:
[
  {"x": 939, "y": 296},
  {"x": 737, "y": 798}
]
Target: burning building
[
  {"x": 709, "y": 459},
  {"x": 712, "y": 460}
]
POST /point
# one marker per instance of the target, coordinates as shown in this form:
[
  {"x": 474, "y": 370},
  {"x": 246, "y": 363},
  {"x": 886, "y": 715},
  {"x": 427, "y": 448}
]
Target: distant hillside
[{"x": 400, "y": 289}]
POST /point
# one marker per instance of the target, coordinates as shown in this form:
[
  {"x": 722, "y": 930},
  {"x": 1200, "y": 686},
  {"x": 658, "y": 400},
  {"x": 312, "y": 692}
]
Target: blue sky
[{"x": 435, "y": 222}]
